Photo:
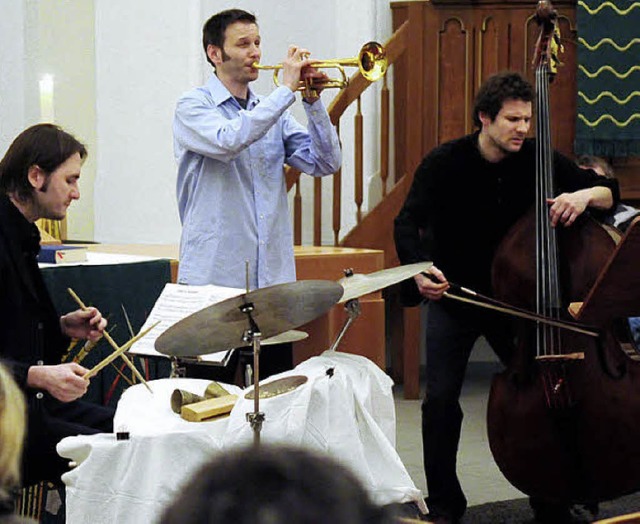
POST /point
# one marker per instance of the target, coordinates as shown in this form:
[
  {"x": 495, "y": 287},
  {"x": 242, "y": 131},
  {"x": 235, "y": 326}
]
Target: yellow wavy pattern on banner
[
  {"x": 609, "y": 117},
  {"x": 610, "y": 42},
  {"x": 609, "y": 68},
  {"x": 621, "y": 12},
  {"x": 610, "y": 95}
]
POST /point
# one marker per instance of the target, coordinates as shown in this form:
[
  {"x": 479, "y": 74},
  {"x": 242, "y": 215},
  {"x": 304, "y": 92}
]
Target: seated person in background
[
  {"x": 13, "y": 413},
  {"x": 274, "y": 485},
  {"x": 621, "y": 215},
  {"x": 39, "y": 179}
]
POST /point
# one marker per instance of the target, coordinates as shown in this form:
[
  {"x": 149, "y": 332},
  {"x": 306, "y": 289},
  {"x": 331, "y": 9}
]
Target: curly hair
[{"x": 507, "y": 85}]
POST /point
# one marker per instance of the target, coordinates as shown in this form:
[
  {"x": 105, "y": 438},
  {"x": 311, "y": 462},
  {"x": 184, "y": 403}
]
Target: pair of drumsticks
[{"x": 119, "y": 351}]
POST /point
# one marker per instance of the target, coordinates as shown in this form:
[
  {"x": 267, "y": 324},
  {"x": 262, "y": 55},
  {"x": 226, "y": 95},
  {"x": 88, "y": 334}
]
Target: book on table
[{"x": 61, "y": 253}]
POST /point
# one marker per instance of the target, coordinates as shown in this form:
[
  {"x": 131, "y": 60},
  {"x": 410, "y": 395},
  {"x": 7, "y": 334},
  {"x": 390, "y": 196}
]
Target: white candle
[{"x": 46, "y": 99}]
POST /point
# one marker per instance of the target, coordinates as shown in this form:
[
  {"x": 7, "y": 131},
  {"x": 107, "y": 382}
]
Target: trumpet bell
[{"x": 372, "y": 61}]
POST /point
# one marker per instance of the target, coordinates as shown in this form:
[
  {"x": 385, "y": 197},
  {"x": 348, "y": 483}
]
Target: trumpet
[{"x": 371, "y": 61}]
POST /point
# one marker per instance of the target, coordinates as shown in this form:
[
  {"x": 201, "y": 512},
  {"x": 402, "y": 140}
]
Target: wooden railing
[
  {"x": 52, "y": 230},
  {"x": 395, "y": 46}
]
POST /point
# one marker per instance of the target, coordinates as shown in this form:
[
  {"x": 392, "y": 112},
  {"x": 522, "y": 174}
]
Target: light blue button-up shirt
[{"x": 231, "y": 187}]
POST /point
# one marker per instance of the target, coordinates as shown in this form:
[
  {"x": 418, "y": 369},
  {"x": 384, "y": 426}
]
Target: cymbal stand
[
  {"x": 253, "y": 336},
  {"x": 177, "y": 369},
  {"x": 353, "y": 310}
]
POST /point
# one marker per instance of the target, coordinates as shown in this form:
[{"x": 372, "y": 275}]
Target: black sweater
[{"x": 460, "y": 206}]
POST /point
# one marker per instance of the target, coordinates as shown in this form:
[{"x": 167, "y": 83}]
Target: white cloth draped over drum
[{"x": 344, "y": 409}]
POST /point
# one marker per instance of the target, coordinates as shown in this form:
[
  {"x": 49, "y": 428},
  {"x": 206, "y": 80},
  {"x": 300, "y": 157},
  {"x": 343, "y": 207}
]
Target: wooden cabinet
[{"x": 454, "y": 46}]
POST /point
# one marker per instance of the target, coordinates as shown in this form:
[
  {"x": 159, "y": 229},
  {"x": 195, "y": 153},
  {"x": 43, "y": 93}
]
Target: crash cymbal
[
  {"x": 276, "y": 309},
  {"x": 359, "y": 285},
  {"x": 279, "y": 386}
]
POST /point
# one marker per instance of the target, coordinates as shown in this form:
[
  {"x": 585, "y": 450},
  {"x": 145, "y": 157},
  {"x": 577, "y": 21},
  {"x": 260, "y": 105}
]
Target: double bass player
[{"x": 465, "y": 196}]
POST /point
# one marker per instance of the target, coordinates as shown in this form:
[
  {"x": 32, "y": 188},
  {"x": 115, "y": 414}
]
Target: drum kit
[{"x": 268, "y": 315}]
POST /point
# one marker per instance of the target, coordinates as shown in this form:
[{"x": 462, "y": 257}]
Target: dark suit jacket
[
  {"x": 30, "y": 335},
  {"x": 29, "y": 324}
]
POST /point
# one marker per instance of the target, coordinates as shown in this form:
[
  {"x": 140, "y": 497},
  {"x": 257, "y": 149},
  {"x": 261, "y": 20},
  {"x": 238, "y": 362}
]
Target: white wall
[
  {"x": 37, "y": 39},
  {"x": 12, "y": 72},
  {"x": 142, "y": 66},
  {"x": 67, "y": 51}
]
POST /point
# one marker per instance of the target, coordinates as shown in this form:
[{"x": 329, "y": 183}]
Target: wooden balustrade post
[
  {"x": 317, "y": 211},
  {"x": 358, "y": 161},
  {"x": 297, "y": 215},
  {"x": 337, "y": 200},
  {"x": 384, "y": 136}
]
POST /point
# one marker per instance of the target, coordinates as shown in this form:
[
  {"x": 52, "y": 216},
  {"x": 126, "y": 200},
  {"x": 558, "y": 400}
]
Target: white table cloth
[{"x": 345, "y": 409}]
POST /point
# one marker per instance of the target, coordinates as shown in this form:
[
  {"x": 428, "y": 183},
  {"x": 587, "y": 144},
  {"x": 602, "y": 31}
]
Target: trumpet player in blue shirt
[{"x": 230, "y": 145}]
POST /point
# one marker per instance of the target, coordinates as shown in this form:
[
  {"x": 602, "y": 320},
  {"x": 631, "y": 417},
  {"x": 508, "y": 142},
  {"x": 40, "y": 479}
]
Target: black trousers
[
  {"x": 49, "y": 422},
  {"x": 451, "y": 332}
]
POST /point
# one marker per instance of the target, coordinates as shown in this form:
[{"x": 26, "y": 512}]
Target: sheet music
[{"x": 178, "y": 301}]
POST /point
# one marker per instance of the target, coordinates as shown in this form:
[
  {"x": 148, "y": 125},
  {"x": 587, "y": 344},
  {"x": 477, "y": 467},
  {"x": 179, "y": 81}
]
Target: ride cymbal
[
  {"x": 359, "y": 285},
  {"x": 275, "y": 309}
]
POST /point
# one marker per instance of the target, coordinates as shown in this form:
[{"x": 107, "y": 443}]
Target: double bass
[{"x": 564, "y": 418}]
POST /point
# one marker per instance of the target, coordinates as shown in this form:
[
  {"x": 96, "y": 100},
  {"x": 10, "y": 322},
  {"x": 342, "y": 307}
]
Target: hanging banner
[{"x": 608, "y": 118}]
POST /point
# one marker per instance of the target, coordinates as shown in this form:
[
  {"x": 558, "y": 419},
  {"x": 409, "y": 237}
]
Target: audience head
[
  {"x": 598, "y": 164},
  {"x": 274, "y": 485},
  {"x": 12, "y": 433},
  {"x": 213, "y": 32},
  {"x": 496, "y": 89},
  {"x": 43, "y": 145}
]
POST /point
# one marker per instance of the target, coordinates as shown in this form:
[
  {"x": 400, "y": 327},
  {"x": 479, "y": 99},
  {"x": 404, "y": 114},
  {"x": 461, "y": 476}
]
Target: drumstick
[
  {"x": 118, "y": 353},
  {"x": 112, "y": 342},
  {"x": 72, "y": 344},
  {"x": 89, "y": 345}
]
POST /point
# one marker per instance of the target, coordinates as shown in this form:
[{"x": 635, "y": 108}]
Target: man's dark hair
[
  {"x": 596, "y": 161},
  {"x": 214, "y": 28},
  {"x": 274, "y": 485},
  {"x": 507, "y": 85},
  {"x": 44, "y": 145}
]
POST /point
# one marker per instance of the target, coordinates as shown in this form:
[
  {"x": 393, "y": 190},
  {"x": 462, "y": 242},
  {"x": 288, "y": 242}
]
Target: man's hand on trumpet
[
  {"x": 292, "y": 66},
  {"x": 315, "y": 79},
  {"x": 298, "y": 67}
]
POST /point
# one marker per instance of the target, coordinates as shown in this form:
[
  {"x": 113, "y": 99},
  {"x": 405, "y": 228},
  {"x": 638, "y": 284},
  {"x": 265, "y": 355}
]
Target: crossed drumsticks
[{"x": 119, "y": 351}]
